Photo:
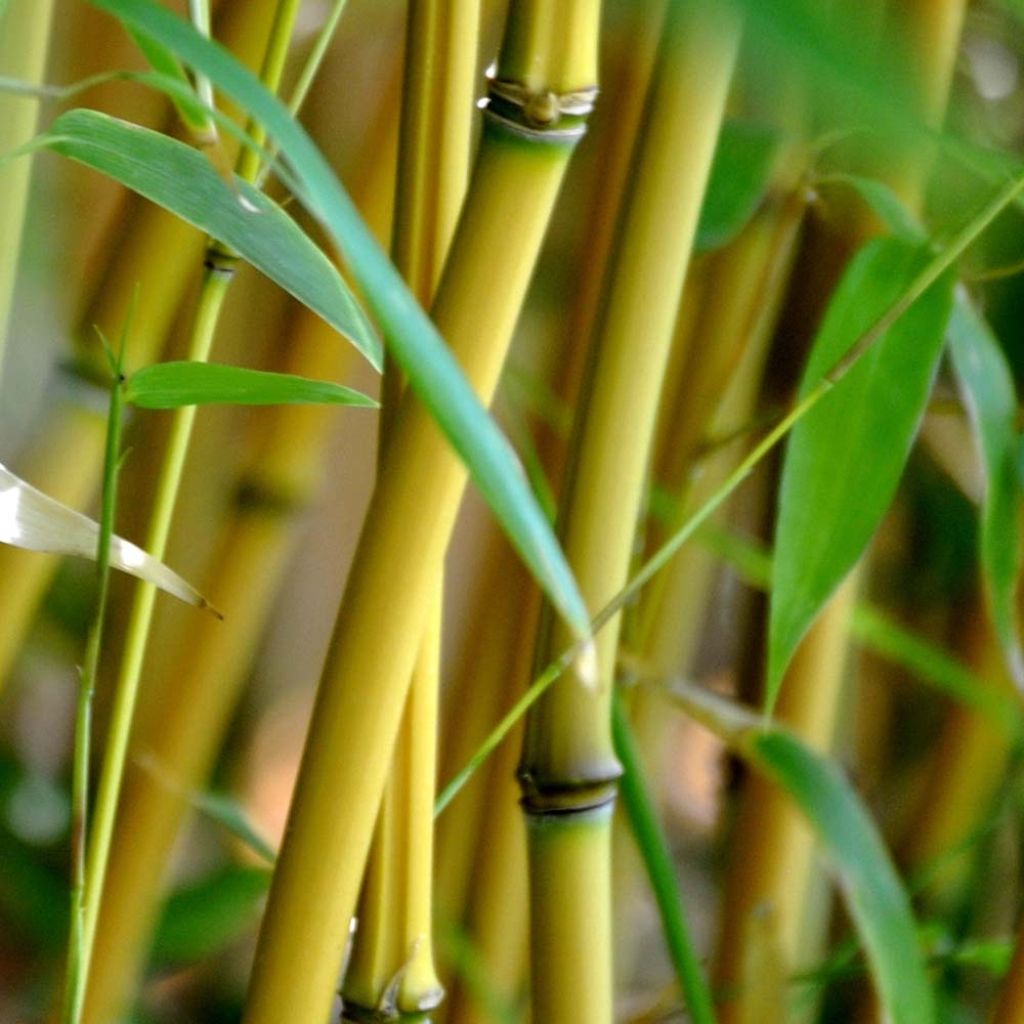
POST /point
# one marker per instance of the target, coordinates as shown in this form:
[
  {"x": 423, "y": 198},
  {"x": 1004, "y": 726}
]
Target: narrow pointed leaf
[
  {"x": 232, "y": 816},
  {"x": 180, "y": 179},
  {"x": 876, "y": 898},
  {"x": 844, "y": 459},
  {"x": 200, "y": 920},
  {"x": 174, "y": 384},
  {"x": 741, "y": 174},
  {"x": 885, "y": 204},
  {"x": 986, "y": 383},
  {"x": 417, "y": 347},
  {"x": 30, "y": 519}
]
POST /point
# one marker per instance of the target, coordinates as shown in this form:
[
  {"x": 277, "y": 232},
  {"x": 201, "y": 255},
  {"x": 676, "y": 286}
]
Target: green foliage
[
  {"x": 991, "y": 400},
  {"x": 174, "y": 384},
  {"x": 871, "y": 886},
  {"x": 845, "y": 457},
  {"x": 741, "y": 175},
  {"x": 182, "y": 180},
  {"x": 204, "y": 918}
]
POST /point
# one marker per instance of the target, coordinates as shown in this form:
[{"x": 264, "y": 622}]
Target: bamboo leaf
[
  {"x": 232, "y": 816},
  {"x": 986, "y": 383},
  {"x": 845, "y": 457},
  {"x": 653, "y": 845},
  {"x": 171, "y": 385},
  {"x": 876, "y": 898},
  {"x": 741, "y": 174},
  {"x": 180, "y": 179},
  {"x": 31, "y": 520},
  {"x": 885, "y": 204},
  {"x": 202, "y": 919},
  {"x": 417, "y": 347}
]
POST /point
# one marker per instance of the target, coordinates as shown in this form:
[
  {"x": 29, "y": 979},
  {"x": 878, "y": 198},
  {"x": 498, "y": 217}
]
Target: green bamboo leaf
[
  {"x": 741, "y": 174},
  {"x": 191, "y": 111},
  {"x": 661, "y": 871},
  {"x": 31, "y": 520},
  {"x": 884, "y": 202},
  {"x": 232, "y": 816},
  {"x": 202, "y": 919},
  {"x": 171, "y": 385},
  {"x": 417, "y": 347},
  {"x": 876, "y": 898},
  {"x": 845, "y": 457},
  {"x": 180, "y": 179},
  {"x": 986, "y": 383}
]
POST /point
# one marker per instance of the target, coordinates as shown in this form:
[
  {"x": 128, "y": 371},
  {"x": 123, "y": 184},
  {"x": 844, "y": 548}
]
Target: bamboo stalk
[
  {"x": 392, "y": 972},
  {"x": 568, "y": 769},
  {"x": 549, "y": 52},
  {"x": 150, "y": 265},
  {"x": 24, "y": 36},
  {"x": 742, "y": 289}
]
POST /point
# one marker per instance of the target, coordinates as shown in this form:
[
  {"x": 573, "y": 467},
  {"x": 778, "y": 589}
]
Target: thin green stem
[
  {"x": 929, "y": 275},
  {"x": 211, "y": 300},
  {"x": 653, "y": 846},
  {"x": 77, "y": 963}
]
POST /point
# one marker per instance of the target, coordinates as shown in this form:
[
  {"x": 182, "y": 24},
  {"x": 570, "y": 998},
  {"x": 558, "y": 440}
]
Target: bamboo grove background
[{"x": 701, "y": 702}]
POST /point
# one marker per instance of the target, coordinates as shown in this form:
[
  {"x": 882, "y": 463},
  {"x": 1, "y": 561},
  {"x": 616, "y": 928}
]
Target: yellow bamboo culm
[
  {"x": 526, "y": 144},
  {"x": 568, "y": 769},
  {"x": 150, "y": 266},
  {"x": 392, "y": 972},
  {"x": 24, "y": 37}
]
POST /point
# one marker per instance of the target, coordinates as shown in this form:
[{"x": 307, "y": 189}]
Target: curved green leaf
[
  {"x": 203, "y": 918},
  {"x": 180, "y": 179},
  {"x": 31, "y": 520},
  {"x": 418, "y": 348},
  {"x": 876, "y": 898},
  {"x": 986, "y": 383},
  {"x": 741, "y": 174},
  {"x": 171, "y": 385},
  {"x": 844, "y": 459}
]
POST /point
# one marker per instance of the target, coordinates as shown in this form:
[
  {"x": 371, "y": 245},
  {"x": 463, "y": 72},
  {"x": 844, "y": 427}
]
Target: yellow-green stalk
[
  {"x": 391, "y": 972},
  {"x": 568, "y": 769},
  {"x": 539, "y": 98},
  {"x": 24, "y": 36},
  {"x": 150, "y": 266},
  {"x": 719, "y": 380},
  {"x": 219, "y": 269}
]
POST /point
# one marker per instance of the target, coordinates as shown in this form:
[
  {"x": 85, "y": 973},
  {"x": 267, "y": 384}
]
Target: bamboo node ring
[{"x": 539, "y": 115}]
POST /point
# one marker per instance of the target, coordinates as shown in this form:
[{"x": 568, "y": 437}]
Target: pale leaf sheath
[{"x": 30, "y": 519}]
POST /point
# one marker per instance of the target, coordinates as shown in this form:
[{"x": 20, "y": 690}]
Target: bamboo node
[{"x": 539, "y": 115}]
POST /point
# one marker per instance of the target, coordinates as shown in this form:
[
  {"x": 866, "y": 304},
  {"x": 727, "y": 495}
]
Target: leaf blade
[
  {"x": 741, "y": 173},
  {"x": 845, "y": 457},
  {"x": 878, "y": 901},
  {"x": 180, "y": 179},
  {"x": 171, "y": 385},
  {"x": 986, "y": 383},
  {"x": 34, "y": 521}
]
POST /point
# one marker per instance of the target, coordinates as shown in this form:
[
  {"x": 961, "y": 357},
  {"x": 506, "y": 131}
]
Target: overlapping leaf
[
  {"x": 180, "y": 179},
  {"x": 986, "y": 383},
  {"x": 30, "y": 519},
  {"x": 741, "y": 174},
  {"x": 876, "y": 898},
  {"x": 844, "y": 458},
  {"x": 171, "y": 385}
]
